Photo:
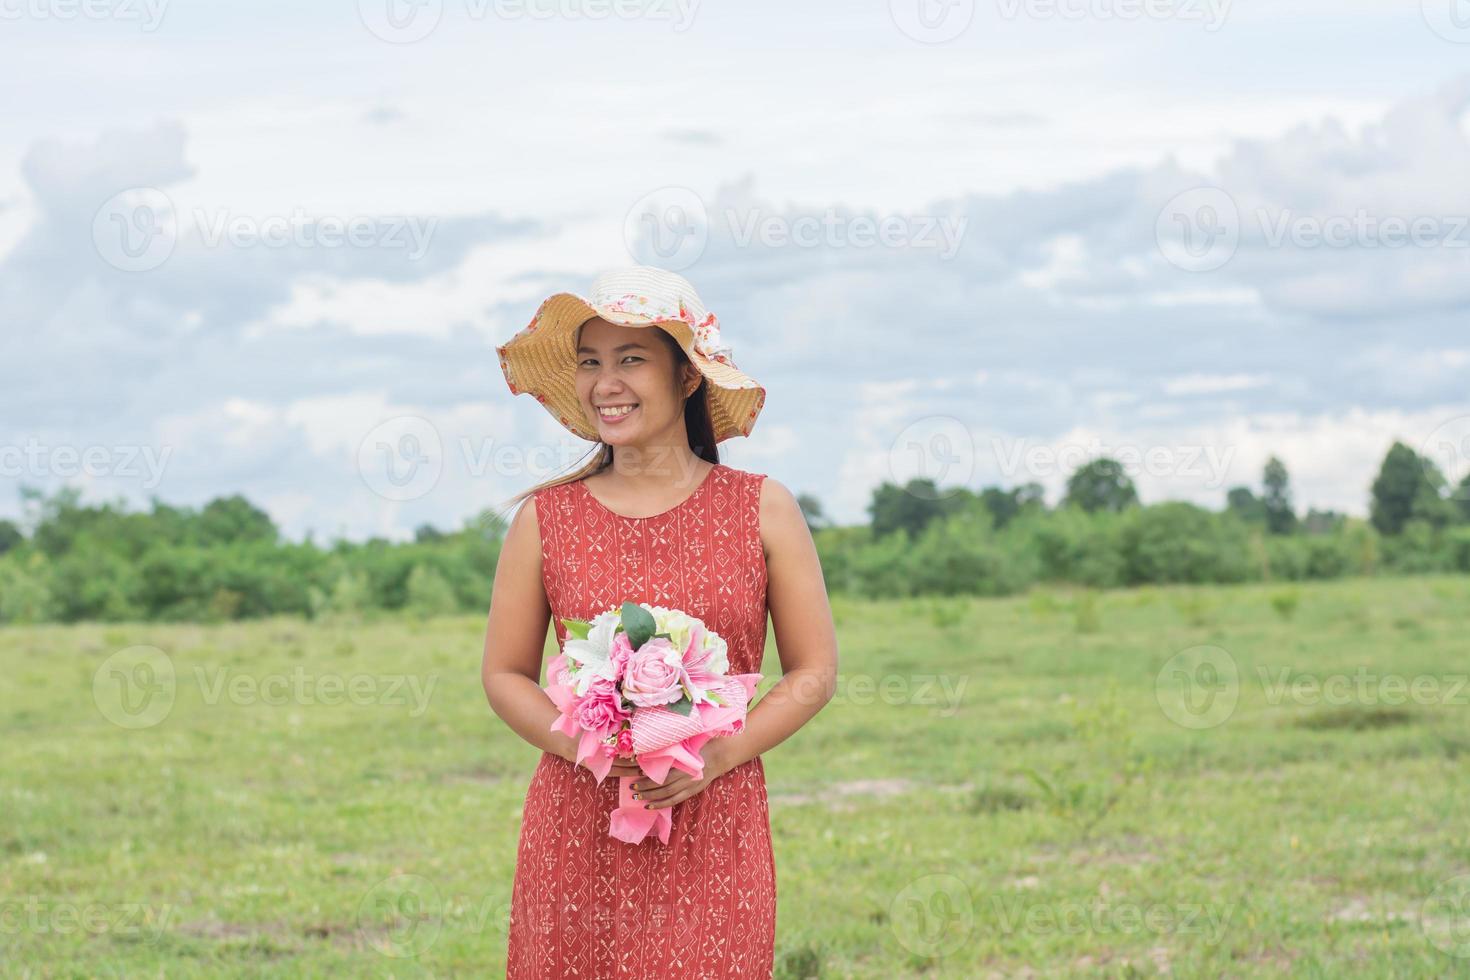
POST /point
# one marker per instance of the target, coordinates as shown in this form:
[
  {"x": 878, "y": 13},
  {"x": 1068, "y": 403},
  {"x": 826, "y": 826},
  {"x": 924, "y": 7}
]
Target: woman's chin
[{"x": 619, "y": 433}]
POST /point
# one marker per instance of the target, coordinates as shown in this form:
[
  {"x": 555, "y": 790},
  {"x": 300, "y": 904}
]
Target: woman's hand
[
  {"x": 620, "y": 766},
  {"x": 678, "y": 786}
]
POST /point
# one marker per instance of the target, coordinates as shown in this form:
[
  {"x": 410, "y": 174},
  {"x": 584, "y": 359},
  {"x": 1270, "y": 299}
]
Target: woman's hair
[{"x": 697, "y": 423}]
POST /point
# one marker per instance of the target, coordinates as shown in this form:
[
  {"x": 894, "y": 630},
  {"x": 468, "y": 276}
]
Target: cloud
[{"x": 1058, "y": 321}]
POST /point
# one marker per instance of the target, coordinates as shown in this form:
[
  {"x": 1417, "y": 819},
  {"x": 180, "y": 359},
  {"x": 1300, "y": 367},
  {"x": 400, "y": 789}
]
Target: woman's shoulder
[
  {"x": 544, "y": 498},
  {"x": 775, "y": 501},
  {"x": 749, "y": 477}
]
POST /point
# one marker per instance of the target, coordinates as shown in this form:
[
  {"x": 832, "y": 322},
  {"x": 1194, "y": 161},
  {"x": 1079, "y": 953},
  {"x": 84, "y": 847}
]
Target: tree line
[
  {"x": 68, "y": 561},
  {"x": 924, "y": 540}
]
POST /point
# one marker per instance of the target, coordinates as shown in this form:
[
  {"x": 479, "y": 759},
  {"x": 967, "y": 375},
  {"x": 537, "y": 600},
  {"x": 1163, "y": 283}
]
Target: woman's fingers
[
  {"x": 674, "y": 800},
  {"x": 655, "y": 792}
]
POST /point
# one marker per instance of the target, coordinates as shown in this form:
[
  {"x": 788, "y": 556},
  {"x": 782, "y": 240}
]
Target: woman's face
[{"x": 626, "y": 382}]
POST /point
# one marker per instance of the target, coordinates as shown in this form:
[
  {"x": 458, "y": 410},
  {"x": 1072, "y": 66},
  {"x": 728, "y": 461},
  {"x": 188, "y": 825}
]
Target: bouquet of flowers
[{"x": 649, "y": 683}]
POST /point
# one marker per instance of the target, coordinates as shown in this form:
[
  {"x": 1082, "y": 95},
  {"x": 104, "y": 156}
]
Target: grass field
[{"x": 1249, "y": 781}]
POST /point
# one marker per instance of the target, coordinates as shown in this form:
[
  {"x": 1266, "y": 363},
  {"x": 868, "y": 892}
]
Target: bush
[
  {"x": 1419, "y": 549},
  {"x": 1179, "y": 542},
  {"x": 1457, "y": 542},
  {"x": 1071, "y": 545},
  {"x": 962, "y": 555},
  {"x": 429, "y": 593},
  {"x": 24, "y": 595}
]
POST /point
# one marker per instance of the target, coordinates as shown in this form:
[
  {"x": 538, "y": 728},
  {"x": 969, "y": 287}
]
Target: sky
[{"x": 254, "y": 248}]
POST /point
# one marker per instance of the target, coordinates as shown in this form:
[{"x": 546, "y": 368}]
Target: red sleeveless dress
[{"x": 584, "y": 904}]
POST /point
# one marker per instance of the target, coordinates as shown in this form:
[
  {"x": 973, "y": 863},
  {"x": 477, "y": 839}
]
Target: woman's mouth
[{"x": 613, "y": 414}]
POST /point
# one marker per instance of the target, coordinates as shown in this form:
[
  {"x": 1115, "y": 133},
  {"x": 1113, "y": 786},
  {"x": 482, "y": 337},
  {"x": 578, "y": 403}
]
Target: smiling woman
[{"x": 656, "y": 519}]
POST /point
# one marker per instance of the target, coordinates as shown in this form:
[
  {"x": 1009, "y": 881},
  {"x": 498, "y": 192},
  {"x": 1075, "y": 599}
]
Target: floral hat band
[
  {"x": 541, "y": 359},
  {"x": 706, "y": 332}
]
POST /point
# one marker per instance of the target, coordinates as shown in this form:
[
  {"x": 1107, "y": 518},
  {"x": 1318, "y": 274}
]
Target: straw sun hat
[{"x": 541, "y": 360}]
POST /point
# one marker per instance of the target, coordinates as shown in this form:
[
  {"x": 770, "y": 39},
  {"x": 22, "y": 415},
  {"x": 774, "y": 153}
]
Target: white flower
[
  {"x": 592, "y": 657},
  {"x": 674, "y": 622}
]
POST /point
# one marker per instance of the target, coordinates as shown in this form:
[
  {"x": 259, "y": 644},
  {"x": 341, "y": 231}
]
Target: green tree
[
  {"x": 1408, "y": 487},
  {"x": 811, "y": 511},
  {"x": 427, "y": 533},
  {"x": 1101, "y": 484},
  {"x": 910, "y": 508},
  {"x": 1006, "y": 505},
  {"x": 1322, "y": 521},
  {"x": 10, "y": 536},
  {"x": 1276, "y": 501},
  {"x": 1244, "y": 504},
  {"x": 227, "y": 520}
]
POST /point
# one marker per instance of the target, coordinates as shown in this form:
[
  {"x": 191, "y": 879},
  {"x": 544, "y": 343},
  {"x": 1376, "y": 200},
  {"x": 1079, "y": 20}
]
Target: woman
[{"x": 654, "y": 518}]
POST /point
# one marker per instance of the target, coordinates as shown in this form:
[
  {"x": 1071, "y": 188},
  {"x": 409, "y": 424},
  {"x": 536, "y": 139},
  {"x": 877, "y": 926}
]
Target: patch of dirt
[
  {"x": 1361, "y": 909},
  {"x": 217, "y": 929},
  {"x": 1280, "y": 960},
  {"x": 843, "y": 796},
  {"x": 477, "y": 777}
]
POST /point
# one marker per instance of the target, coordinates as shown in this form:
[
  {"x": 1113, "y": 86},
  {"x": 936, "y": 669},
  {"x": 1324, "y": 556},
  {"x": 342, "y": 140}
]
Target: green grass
[{"x": 1030, "y": 786}]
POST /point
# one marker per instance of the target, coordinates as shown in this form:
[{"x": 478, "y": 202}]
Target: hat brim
[{"x": 541, "y": 358}]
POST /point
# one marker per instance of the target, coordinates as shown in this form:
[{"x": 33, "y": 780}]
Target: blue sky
[{"x": 1188, "y": 231}]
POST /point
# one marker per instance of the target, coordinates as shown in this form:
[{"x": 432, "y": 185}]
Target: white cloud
[
  {"x": 1209, "y": 384},
  {"x": 1057, "y": 320}
]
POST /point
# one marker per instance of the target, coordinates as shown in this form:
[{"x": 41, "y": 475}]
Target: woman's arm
[
  {"x": 806, "y": 638},
  {"x": 515, "y": 637}
]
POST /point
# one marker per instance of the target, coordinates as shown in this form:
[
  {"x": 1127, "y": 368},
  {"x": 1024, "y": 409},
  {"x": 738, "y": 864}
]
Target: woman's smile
[{"x": 613, "y": 414}]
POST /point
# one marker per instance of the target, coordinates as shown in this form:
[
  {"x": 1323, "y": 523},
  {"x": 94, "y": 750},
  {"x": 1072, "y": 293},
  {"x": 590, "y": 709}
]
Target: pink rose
[
  {"x": 620, "y": 653},
  {"x": 600, "y": 710},
  {"x": 625, "y": 742},
  {"x": 651, "y": 678}
]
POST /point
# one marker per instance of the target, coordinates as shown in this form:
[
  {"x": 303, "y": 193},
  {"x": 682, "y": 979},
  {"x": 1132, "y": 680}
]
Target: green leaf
[
  {"x": 714, "y": 697},
  {"x": 639, "y": 624},
  {"x": 682, "y": 706},
  {"x": 578, "y": 628}
]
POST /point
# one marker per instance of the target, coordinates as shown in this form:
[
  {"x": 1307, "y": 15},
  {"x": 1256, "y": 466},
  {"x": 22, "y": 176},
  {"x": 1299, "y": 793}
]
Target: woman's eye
[{"x": 593, "y": 360}]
